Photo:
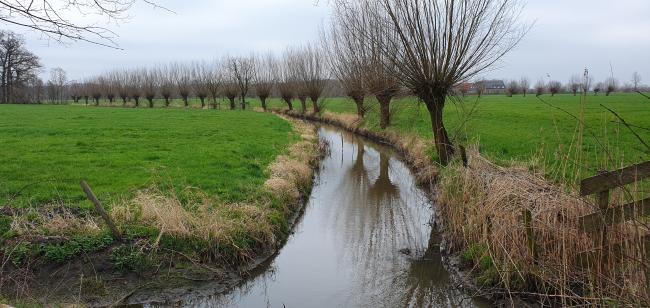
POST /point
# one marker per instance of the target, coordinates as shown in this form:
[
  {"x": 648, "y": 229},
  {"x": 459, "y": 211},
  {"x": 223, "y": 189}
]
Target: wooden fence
[{"x": 598, "y": 222}]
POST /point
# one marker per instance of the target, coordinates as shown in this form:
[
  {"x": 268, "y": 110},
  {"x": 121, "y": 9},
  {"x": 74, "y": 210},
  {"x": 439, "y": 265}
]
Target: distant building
[{"x": 495, "y": 86}]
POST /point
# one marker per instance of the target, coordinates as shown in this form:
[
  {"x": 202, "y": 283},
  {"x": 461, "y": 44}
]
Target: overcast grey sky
[{"x": 568, "y": 36}]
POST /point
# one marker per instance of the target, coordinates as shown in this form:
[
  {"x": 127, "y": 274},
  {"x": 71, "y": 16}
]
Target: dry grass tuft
[
  {"x": 52, "y": 220},
  {"x": 484, "y": 206}
]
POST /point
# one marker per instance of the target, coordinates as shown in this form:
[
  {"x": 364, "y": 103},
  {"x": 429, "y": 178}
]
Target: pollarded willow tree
[
  {"x": 242, "y": 71},
  {"x": 346, "y": 56},
  {"x": 308, "y": 66},
  {"x": 435, "y": 45},
  {"x": 265, "y": 68},
  {"x": 286, "y": 81}
]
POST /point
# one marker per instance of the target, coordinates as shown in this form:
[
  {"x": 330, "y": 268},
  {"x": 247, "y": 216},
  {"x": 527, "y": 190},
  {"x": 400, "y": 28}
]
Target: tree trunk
[
  {"x": 167, "y": 101},
  {"x": 232, "y": 103},
  {"x": 288, "y": 101},
  {"x": 361, "y": 111},
  {"x": 202, "y": 101},
  {"x": 150, "y": 102},
  {"x": 263, "y": 100},
  {"x": 303, "y": 104},
  {"x": 384, "y": 110},
  {"x": 445, "y": 149},
  {"x": 185, "y": 102},
  {"x": 243, "y": 104},
  {"x": 314, "y": 101}
]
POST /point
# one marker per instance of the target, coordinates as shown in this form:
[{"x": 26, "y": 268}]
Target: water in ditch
[{"x": 365, "y": 240}]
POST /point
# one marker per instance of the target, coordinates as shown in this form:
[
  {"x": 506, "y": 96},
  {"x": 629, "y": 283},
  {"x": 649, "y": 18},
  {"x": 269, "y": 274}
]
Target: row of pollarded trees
[
  {"x": 165, "y": 82},
  {"x": 299, "y": 73},
  {"x": 575, "y": 85}
]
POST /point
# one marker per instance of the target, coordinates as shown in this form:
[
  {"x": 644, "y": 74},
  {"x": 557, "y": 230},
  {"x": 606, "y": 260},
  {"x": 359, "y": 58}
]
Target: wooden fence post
[
  {"x": 100, "y": 210},
  {"x": 530, "y": 234}
]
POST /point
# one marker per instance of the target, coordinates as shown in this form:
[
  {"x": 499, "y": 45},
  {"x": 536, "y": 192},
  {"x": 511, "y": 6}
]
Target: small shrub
[{"x": 128, "y": 258}]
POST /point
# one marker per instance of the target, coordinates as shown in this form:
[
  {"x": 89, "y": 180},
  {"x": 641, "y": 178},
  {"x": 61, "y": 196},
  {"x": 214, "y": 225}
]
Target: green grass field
[
  {"x": 518, "y": 128},
  {"x": 46, "y": 150}
]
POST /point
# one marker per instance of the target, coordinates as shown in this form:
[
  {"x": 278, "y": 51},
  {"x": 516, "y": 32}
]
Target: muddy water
[{"x": 364, "y": 240}]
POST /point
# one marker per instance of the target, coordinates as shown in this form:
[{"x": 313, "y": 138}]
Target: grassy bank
[
  {"x": 484, "y": 206},
  {"x": 525, "y": 129},
  {"x": 185, "y": 187}
]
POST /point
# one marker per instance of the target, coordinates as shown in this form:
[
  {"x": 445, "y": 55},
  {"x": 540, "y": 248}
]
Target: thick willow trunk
[
  {"x": 384, "y": 110},
  {"x": 444, "y": 147},
  {"x": 232, "y": 103},
  {"x": 263, "y": 100},
  {"x": 361, "y": 110},
  {"x": 314, "y": 101}
]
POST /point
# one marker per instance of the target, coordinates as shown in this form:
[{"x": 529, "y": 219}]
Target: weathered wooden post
[
  {"x": 530, "y": 234},
  {"x": 100, "y": 210}
]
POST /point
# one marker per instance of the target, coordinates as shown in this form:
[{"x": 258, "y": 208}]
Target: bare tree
[
  {"x": 166, "y": 83},
  {"x": 265, "y": 77},
  {"x": 242, "y": 71},
  {"x": 200, "y": 78},
  {"x": 554, "y": 87},
  {"x": 182, "y": 80},
  {"x": 286, "y": 81},
  {"x": 309, "y": 69},
  {"x": 346, "y": 55},
  {"x": 135, "y": 87},
  {"x": 122, "y": 82},
  {"x": 480, "y": 87},
  {"x": 17, "y": 66},
  {"x": 636, "y": 80},
  {"x": 57, "y": 83},
  {"x": 512, "y": 88},
  {"x": 574, "y": 84},
  {"x": 230, "y": 90},
  {"x": 611, "y": 86},
  {"x": 525, "y": 85},
  {"x": 150, "y": 85},
  {"x": 214, "y": 81},
  {"x": 49, "y": 18},
  {"x": 599, "y": 88},
  {"x": 435, "y": 45},
  {"x": 540, "y": 88}
]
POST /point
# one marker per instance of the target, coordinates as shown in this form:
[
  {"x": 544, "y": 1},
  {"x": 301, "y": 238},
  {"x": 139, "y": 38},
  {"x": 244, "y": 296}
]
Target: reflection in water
[{"x": 365, "y": 240}]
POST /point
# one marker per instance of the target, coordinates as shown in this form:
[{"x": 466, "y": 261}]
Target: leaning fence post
[{"x": 100, "y": 210}]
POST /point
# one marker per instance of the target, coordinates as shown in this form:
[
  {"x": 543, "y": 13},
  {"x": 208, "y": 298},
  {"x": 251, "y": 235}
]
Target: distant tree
[
  {"x": 17, "y": 66},
  {"x": 574, "y": 84},
  {"x": 135, "y": 87},
  {"x": 200, "y": 77},
  {"x": 265, "y": 77},
  {"x": 347, "y": 56},
  {"x": 287, "y": 84},
  {"x": 166, "y": 83},
  {"x": 183, "y": 81},
  {"x": 230, "y": 90},
  {"x": 525, "y": 85},
  {"x": 150, "y": 85},
  {"x": 309, "y": 69},
  {"x": 554, "y": 87},
  {"x": 57, "y": 83},
  {"x": 636, "y": 80},
  {"x": 540, "y": 88},
  {"x": 214, "y": 81},
  {"x": 242, "y": 71},
  {"x": 611, "y": 86},
  {"x": 599, "y": 88},
  {"x": 122, "y": 86},
  {"x": 512, "y": 88}
]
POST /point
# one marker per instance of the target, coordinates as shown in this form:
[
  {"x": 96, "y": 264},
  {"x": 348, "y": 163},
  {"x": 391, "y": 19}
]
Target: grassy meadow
[
  {"x": 46, "y": 150},
  {"x": 542, "y": 131}
]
